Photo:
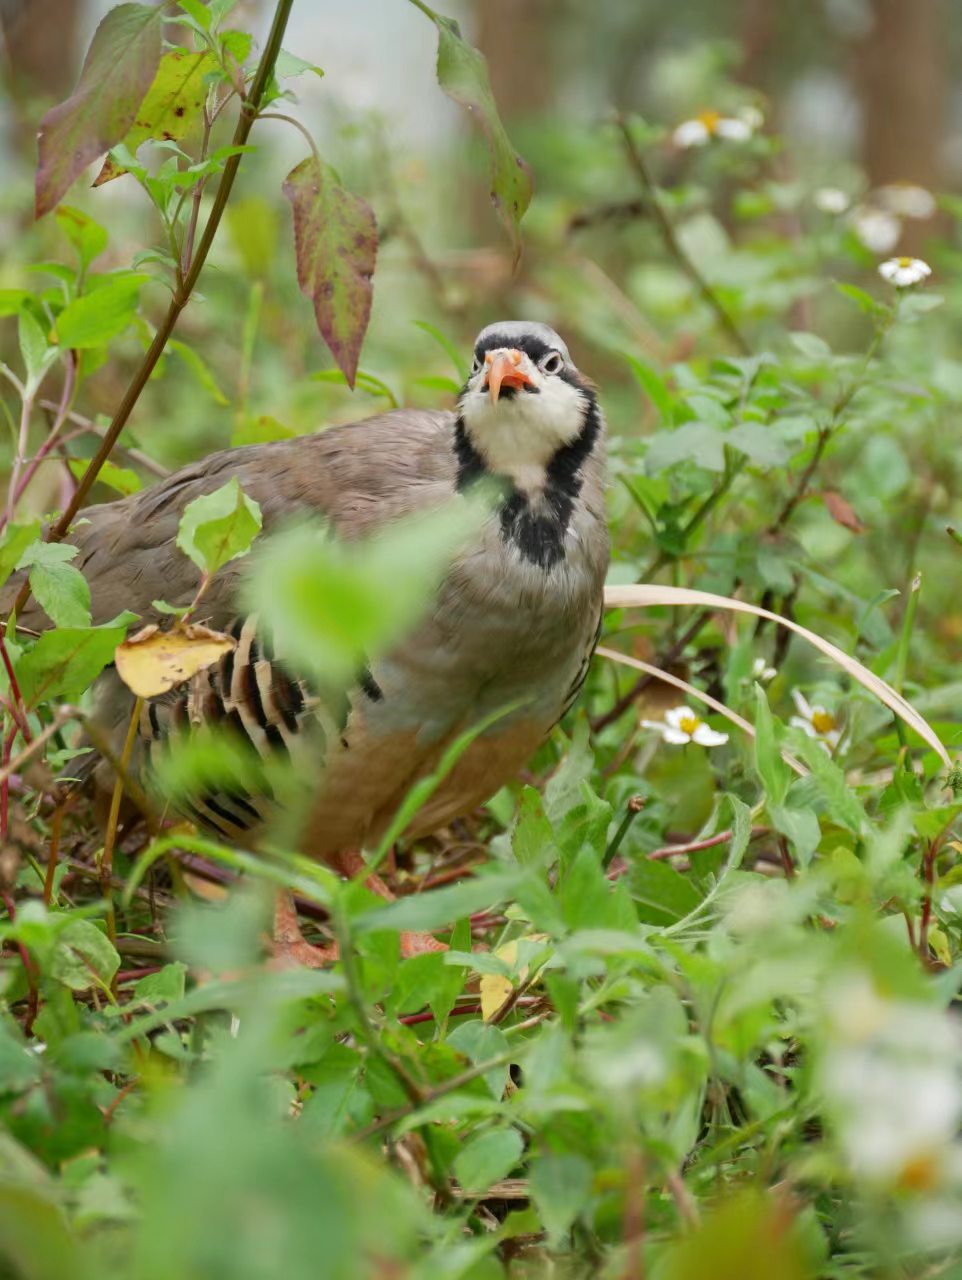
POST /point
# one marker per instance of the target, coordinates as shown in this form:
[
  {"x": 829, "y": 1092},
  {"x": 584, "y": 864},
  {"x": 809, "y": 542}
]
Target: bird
[{"x": 514, "y": 623}]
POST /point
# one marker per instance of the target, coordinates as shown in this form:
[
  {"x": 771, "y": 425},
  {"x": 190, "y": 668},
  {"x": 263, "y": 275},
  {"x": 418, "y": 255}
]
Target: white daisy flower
[
  {"x": 907, "y": 200},
  {"x": 682, "y": 725},
  {"x": 762, "y": 672},
  {"x": 710, "y": 124},
  {"x": 904, "y": 272},
  {"x": 816, "y": 722},
  {"x": 751, "y": 116},
  {"x": 877, "y": 229},
  {"x": 831, "y": 200}
]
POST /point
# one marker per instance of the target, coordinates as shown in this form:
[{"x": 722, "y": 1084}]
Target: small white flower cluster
[
  {"x": 701, "y": 129},
  {"x": 878, "y": 220},
  {"x": 762, "y": 672},
  {"x": 682, "y": 725}
]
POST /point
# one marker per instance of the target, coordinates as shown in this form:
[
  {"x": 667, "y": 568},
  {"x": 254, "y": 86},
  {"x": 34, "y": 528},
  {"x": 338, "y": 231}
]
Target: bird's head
[{"x": 524, "y": 400}]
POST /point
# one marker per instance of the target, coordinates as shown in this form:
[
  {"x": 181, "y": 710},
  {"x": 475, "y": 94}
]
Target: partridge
[{"x": 514, "y": 623}]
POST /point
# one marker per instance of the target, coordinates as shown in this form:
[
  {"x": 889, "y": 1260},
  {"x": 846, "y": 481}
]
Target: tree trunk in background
[
  {"x": 899, "y": 70},
  {"x": 41, "y": 45}
]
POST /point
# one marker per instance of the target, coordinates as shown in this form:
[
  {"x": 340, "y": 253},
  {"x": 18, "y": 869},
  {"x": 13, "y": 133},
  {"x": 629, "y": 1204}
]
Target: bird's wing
[{"x": 359, "y": 476}]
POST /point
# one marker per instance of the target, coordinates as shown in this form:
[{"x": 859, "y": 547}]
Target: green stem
[{"x": 667, "y": 231}]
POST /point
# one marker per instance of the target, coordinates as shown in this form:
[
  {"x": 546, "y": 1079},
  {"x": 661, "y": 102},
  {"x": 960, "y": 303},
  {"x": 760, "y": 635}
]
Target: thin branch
[
  {"x": 249, "y": 109},
  {"x": 662, "y": 221},
  {"x": 87, "y": 424}
]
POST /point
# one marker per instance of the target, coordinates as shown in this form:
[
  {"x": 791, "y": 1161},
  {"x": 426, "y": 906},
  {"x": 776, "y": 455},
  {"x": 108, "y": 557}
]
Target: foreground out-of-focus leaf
[
  {"x": 463, "y": 75},
  {"x": 172, "y": 105},
  {"x": 117, "y": 73},
  {"x": 335, "y": 242}
]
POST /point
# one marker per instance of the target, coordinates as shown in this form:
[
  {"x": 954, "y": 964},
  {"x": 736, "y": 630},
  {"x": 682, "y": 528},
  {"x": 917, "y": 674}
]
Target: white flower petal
[
  {"x": 734, "y": 130},
  {"x": 657, "y": 725},
  {"x": 707, "y": 737},
  {"x": 675, "y": 715},
  {"x": 677, "y": 737},
  {"x": 908, "y": 200},
  {"x": 801, "y": 702},
  {"x": 877, "y": 229},
  {"x": 691, "y": 133},
  {"x": 752, "y": 116},
  {"x": 831, "y": 200},
  {"x": 806, "y": 726}
]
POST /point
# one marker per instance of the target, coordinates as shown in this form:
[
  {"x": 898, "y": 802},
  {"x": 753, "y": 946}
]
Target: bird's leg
[
  {"x": 350, "y": 863},
  {"x": 288, "y": 945},
  {"x": 289, "y": 948}
]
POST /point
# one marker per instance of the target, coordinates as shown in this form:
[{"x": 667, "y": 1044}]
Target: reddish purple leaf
[
  {"x": 335, "y": 240},
  {"x": 117, "y": 72}
]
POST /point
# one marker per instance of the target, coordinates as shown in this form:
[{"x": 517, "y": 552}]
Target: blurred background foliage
[{"x": 725, "y": 1043}]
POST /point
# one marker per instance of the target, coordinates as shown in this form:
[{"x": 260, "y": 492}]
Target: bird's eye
[
  {"x": 475, "y": 365},
  {"x": 553, "y": 362}
]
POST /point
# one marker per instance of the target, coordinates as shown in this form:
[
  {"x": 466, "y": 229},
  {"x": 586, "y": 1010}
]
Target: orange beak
[{"x": 504, "y": 370}]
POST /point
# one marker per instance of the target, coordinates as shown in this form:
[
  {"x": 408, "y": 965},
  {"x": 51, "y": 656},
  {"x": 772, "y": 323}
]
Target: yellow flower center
[
  {"x": 688, "y": 724},
  {"x": 823, "y": 721},
  {"x": 709, "y": 119},
  {"x": 905, "y": 262}
]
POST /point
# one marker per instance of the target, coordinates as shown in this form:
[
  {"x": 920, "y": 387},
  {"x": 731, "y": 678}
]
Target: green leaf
[
  {"x": 63, "y": 594},
  {"x": 449, "y": 348},
  {"x": 480, "y": 1041},
  {"x": 533, "y": 837},
  {"x": 123, "y": 479},
  {"x": 33, "y": 347},
  {"x": 289, "y": 65},
  {"x": 811, "y": 346},
  {"x": 463, "y": 75},
  {"x": 864, "y": 301},
  {"x": 83, "y": 956},
  {"x": 488, "y": 1158},
  {"x": 166, "y": 984},
  {"x": 172, "y": 106},
  {"x": 198, "y": 11},
  {"x": 662, "y": 894},
  {"x": 692, "y": 442},
  {"x": 88, "y": 237},
  {"x": 759, "y": 443},
  {"x": 117, "y": 72},
  {"x": 219, "y": 527},
  {"x": 772, "y": 769},
  {"x": 422, "y": 912},
  {"x": 199, "y": 369},
  {"x": 100, "y": 315},
  {"x": 335, "y": 244},
  {"x": 561, "y": 1189},
  {"x": 840, "y": 800},
  {"x": 14, "y": 542},
  {"x": 12, "y": 300},
  {"x": 653, "y": 386},
  {"x": 63, "y": 663}
]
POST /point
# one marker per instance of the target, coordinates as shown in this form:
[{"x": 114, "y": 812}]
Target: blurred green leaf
[
  {"x": 102, "y": 314},
  {"x": 487, "y": 1158}
]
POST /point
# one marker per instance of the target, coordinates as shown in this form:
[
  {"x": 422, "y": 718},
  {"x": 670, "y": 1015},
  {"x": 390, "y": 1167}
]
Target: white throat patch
[{"x": 518, "y": 435}]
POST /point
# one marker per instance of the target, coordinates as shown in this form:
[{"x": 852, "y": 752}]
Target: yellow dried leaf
[
  {"x": 153, "y": 661},
  {"x": 494, "y": 988}
]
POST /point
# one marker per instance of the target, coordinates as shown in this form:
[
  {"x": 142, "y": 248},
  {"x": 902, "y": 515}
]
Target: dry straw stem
[{"x": 648, "y": 596}]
